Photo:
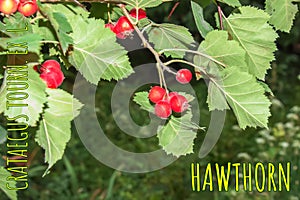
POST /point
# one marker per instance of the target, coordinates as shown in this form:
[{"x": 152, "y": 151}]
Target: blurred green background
[{"x": 79, "y": 176}]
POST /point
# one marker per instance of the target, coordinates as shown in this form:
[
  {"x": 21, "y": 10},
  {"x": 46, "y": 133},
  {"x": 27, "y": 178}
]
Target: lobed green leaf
[
  {"x": 170, "y": 36},
  {"x": 251, "y": 30},
  {"x": 96, "y": 54},
  {"x": 55, "y": 127}
]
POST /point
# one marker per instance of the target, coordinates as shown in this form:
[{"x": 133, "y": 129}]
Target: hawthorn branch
[{"x": 160, "y": 65}]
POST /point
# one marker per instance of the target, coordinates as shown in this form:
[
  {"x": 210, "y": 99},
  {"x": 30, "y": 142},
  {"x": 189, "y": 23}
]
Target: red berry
[
  {"x": 179, "y": 103},
  {"x": 28, "y": 8},
  {"x": 163, "y": 109},
  {"x": 53, "y": 79},
  {"x": 110, "y": 26},
  {"x": 50, "y": 65},
  {"x": 123, "y": 27},
  {"x": 141, "y": 13},
  {"x": 184, "y": 76},
  {"x": 171, "y": 94},
  {"x": 8, "y": 6},
  {"x": 156, "y": 94}
]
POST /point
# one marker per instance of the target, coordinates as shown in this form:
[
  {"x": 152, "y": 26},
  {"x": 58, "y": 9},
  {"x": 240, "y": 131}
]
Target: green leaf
[
  {"x": 3, "y": 134},
  {"x": 282, "y": 13},
  {"x": 227, "y": 52},
  {"x": 233, "y": 3},
  {"x": 143, "y": 3},
  {"x": 255, "y": 36},
  {"x": 170, "y": 36},
  {"x": 177, "y": 137},
  {"x": 244, "y": 95},
  {"x": 60, "y": 24},
  {"x": 12, "y": 194},
  {"x": 36, "y": 94},
  {"x": 141, "y": 98},
  {"x": 30, "y": 42},
  {"x": 55, "y": 128},
  {"x": 96, "y": 54},
  {"x": 16, "y": 21},
  {"x": 44, "y": 32},
  {"x": 203, "y": 26}
]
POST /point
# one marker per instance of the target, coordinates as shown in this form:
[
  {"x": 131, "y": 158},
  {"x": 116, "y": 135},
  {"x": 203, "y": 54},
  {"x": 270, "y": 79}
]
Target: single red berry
[
  {"x": 123, "y": 28},
  {"x": 163, "y": 109},
  {"x": 110, "y": 26},
  {"x": 50, "y": 65},
  {"x": 28, "y": 8},
  {"x": 156, "y": 94},
  {"x": 179, "y": 103},
  {"x": 184, "y": 76},
  {"x": 141, "y": 13},
  {"x": 8, "y": 6},
  {"x": 53, "y": 79}
]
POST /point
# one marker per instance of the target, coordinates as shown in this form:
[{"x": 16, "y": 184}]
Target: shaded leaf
[
  {"x": 203, "y": 26},
  {"x": 170, "y": 36},
  {"x": 35, "y": 91}
]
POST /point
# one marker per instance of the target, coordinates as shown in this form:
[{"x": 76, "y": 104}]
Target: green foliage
[
  {"x": 231, "y": 60},
  {"x": 55, "y": 128},
  {"x": 170, "y": 36},
  {"x": 60, "y": 24},
  {"x": 3, "y": 134},
  {"x": 245, "y": 96},
  {"x": 256, "y": 37},
  {"x": 141, "y": 98},
  {"x": 227, "y": 52},
  {"x": 12, "y": 194},
  {"x": 203, "y": 26},
  {"x": 282, "y": 13},
  {"x": 142, "y": 3},
  {"x": 233, "y": 3},
  {"x": 17, "y": 21},
  {"x": 177, "y": 137},
  {"x": 36, "y": 95},
  {"x": 96, "y": 54}
]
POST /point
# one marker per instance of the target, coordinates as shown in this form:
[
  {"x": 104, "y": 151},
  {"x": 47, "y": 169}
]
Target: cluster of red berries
[
  {"x": 25, "y": 7},
  {"x": 50, "y": 73},
  {"x": 166, "y": 102},
  {"x": 123, "y": 28}
]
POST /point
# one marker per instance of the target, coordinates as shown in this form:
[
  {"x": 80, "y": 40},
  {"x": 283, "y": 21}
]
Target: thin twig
[
  {"x": 160, "y": 65},
  {"x": 220, "y": 16},
  {"x": 173, "y": 9},
  {"x": 194, "y": 52}
]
